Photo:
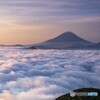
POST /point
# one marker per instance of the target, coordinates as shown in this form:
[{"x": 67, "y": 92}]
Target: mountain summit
[
  {"x": 67, "y": 37},
  {"x": 67, "y": 40}
]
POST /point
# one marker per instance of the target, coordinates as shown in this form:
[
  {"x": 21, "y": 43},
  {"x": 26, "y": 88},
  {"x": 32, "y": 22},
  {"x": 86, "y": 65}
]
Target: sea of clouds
[{"x": 46, "y": 74}]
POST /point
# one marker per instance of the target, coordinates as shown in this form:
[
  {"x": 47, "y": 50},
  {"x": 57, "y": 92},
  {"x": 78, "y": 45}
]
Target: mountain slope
[
  {"x": 67, "y": 40},
  {"x": 94, "y": 46},
  {"x": 67, "y": 37}
]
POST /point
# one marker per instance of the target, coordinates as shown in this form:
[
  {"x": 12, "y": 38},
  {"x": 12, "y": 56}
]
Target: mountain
[
  {"x": 68, "y": 97},
  {"x": 94, "y": 46},
  {"x": 67, "y": 37},
  {"x": 67, "y": 40},
  {"x": 17, "y": 45}
]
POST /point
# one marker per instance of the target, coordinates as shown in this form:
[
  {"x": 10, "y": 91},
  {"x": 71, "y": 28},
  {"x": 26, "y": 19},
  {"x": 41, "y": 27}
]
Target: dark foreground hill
[
  {"x": 68, "y": 97},
  {"x": 67, "y": 40}
]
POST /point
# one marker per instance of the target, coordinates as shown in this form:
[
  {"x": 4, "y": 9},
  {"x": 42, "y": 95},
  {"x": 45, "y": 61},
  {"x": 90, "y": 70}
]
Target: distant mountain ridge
[
  {"x": 94, "y": 46},
  {"x": 67, "y": 40}
]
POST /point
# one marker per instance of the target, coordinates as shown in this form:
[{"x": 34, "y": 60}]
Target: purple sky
[{"x": 32, "y": 21}]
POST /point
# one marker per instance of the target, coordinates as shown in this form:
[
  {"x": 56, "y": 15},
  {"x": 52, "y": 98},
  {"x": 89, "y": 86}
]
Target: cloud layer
[{"x": 46, "y": 74}]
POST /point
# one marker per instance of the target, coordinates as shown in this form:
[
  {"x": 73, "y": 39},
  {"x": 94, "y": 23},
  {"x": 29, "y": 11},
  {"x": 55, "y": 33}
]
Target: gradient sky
[{"x": 33, "y": 21}]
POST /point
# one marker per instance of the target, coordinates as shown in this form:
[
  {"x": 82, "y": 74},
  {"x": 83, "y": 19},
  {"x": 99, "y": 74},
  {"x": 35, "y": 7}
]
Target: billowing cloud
[{"x": 46, "y": 74}]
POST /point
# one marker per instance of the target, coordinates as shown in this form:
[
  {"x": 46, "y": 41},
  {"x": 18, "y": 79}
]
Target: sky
[{"x": 34, "y": 21}]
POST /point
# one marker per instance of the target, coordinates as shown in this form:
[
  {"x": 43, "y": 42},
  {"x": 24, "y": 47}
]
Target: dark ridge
[
  {"x": 17, "y": 45},
  {"x": 94, "y": 46},
  {"x": 68, "y": 97},
  {"x": 33, "y": 47}
]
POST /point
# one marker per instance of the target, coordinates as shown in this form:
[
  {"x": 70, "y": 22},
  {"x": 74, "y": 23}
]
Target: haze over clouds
[
  {"x": 24, "y": 21},
  {"x": 46, "y": 74}
]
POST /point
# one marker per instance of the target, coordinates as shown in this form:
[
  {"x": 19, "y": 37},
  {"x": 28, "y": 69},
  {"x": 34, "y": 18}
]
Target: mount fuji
[{"x": 67, "y": 40}]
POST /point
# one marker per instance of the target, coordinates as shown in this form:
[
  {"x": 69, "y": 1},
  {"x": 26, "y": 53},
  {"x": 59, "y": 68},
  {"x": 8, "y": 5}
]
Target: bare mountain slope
[{"x": 67, "y": 40}]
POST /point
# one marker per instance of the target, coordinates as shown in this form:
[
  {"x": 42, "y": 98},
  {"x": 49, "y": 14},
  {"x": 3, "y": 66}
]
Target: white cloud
[{"x": 46, "y": 74}]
